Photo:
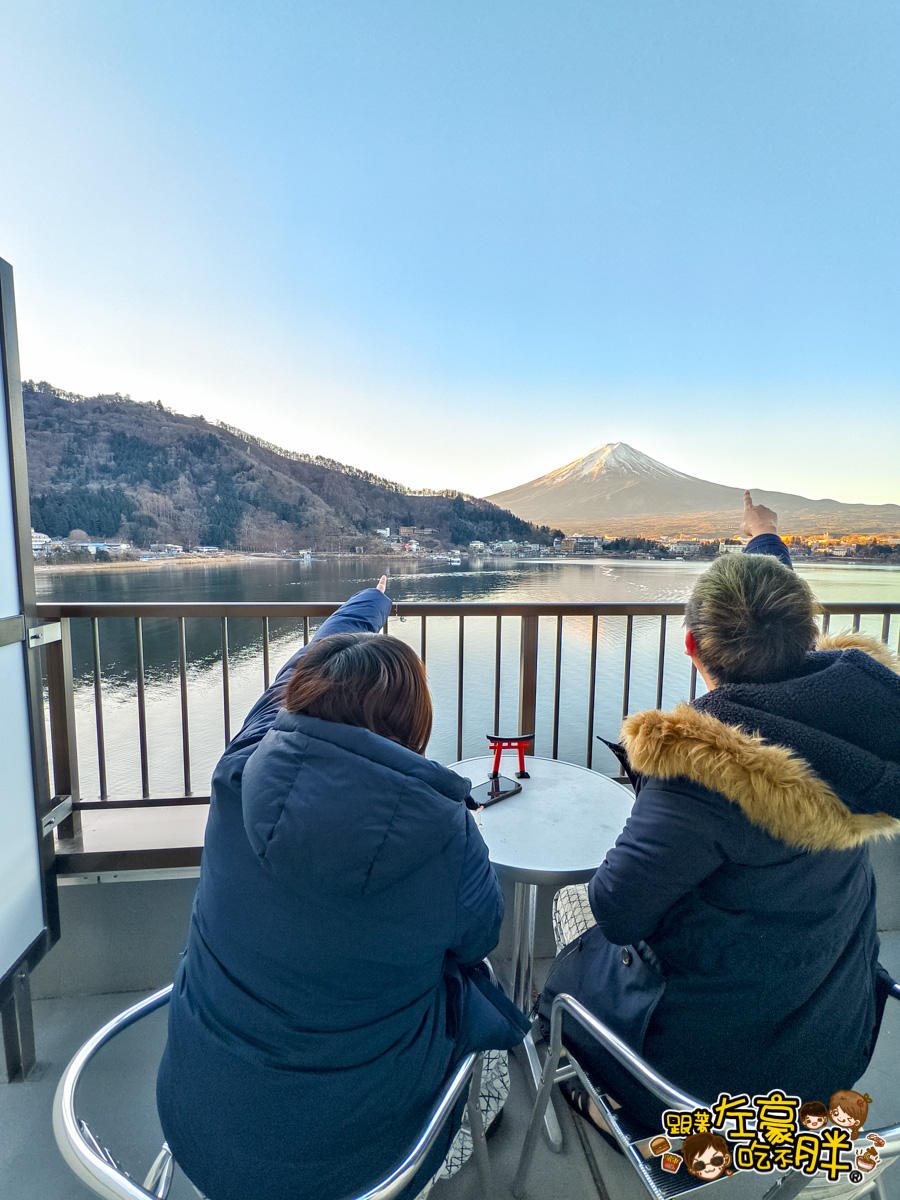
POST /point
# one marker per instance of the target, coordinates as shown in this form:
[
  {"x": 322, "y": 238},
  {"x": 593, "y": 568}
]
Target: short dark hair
[
  {"x": 365, "y": 679},
  {"x": 813, "y": 1108},
  {"x": 698, "y": 1143},
  {"x": 753, "y": 619}
]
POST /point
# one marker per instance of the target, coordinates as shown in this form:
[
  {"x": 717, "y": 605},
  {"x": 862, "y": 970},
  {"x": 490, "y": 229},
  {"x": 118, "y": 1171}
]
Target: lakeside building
[
  {"x": 589, "y": 544},
  {"x": 415, "y": 531},
  {"x": 93, "y": 547}
]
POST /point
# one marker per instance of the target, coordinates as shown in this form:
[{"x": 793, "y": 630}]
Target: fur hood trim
[
  {"x": 859, "y": 641},
  {"x": 775, "y": 788}
]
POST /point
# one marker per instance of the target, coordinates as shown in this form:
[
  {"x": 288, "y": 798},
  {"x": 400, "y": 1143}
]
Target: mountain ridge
[
  {"x": 113, "y": 466},
  {"x": 616, "y": 489}
]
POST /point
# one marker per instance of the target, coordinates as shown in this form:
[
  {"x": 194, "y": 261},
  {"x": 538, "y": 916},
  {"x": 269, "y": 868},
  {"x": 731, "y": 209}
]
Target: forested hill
[{"x": 112, "y": 466}]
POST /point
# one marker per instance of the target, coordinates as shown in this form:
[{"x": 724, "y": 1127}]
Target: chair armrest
[
  {"x": 564, "y": 1004},
  {"x": 401, "y": 1176},
  {"x": 81, "y": 1153}
]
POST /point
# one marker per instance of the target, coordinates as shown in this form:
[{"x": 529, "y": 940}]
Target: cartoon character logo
[
  {"x": 813, "y": 1115},
  {"x": 706, "y": 1155},
  {"x": 849, "y": 1109}
]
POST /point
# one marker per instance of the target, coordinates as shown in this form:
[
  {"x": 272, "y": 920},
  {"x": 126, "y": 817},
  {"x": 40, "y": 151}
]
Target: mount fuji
[{"x": 616, "y": 489}]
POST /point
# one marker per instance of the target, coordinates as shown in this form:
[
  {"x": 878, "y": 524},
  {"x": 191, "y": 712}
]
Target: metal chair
[
  {"x": 660, "y": 1184},
  {"x": 96, "y": 1167}
]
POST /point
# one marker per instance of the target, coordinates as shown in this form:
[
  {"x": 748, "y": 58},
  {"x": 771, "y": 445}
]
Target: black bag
[{"x": 620, "y": 985}]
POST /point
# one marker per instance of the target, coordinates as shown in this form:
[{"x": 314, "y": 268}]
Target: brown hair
[
  {"x": 692, "y": 1147},
  {"x": 855, "y": 1105},
  {"x": 752, "y": 618},
  {"x": 812, "y": 1108},
  {"x": 365, "y": 679}
]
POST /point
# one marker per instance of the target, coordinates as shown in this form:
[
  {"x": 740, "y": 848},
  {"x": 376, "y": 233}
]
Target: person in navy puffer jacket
[
  {"x": 730, "y": 935},
  {"x": 330, "y": 980}
]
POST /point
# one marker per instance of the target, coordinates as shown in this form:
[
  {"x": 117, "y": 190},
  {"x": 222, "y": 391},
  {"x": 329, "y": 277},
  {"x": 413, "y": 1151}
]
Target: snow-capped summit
[{"x": 613, "y": 457}]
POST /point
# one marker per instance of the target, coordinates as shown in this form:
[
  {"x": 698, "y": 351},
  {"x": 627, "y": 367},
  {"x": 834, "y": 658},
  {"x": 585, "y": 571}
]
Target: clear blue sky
[{"x": 404, "y": 232}]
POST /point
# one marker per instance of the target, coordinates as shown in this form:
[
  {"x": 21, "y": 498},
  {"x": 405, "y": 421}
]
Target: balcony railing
[{"x": 564, "y": 671}]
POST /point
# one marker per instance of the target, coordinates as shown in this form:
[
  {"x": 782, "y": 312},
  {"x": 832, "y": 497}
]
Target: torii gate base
[{"x": 499, "y": 788}]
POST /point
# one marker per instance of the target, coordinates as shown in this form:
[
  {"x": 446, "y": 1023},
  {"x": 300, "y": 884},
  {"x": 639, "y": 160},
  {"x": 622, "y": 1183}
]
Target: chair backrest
[
  {"x": 672, "y": 1096},
  {"x": 96, "y": 1167}
]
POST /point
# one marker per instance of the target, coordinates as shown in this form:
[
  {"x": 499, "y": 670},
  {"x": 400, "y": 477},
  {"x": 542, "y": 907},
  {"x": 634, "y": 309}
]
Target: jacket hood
[
  {"x": 813, "y": 760},
  {"x": 345, "y": 807}
]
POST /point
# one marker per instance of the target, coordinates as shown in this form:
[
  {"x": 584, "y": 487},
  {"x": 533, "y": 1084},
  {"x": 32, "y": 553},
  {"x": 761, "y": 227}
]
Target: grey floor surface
[{"x": 117, "y": 1100}]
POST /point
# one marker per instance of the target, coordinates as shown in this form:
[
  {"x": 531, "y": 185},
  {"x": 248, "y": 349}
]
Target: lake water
[{"x": 261, "y": 580}]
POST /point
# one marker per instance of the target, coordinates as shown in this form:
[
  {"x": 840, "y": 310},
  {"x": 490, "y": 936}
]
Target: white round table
[{"x": 556, "y": 831}]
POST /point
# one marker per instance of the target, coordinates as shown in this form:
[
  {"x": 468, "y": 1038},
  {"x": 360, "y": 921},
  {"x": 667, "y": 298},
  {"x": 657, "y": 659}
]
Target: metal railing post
[
  {"x": 63, "y": 741},
  {"x": 528, "y": 667}
]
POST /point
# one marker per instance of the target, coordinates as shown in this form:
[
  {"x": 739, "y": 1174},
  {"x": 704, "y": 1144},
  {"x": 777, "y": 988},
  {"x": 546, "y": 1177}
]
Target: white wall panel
[{"x": 21, "y": 908}]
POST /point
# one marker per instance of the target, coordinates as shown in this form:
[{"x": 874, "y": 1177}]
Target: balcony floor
[{"x": 117, "y": 1100}]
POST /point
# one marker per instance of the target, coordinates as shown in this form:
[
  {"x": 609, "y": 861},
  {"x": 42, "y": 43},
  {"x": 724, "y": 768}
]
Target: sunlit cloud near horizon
[{"x": 461, "y": 245}]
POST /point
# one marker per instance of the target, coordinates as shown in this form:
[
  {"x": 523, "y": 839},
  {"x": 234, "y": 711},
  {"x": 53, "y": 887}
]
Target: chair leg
[
  {"x": 548, "y": 1078},
  {"x": 476, "y": 1128},
  {"x": 159, "y": 1177}
]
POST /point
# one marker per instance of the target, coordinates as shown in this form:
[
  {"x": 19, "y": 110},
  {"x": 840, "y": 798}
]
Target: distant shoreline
[
  {"x": 183, "y": 560},
  {"x": 193, "y": 561}
]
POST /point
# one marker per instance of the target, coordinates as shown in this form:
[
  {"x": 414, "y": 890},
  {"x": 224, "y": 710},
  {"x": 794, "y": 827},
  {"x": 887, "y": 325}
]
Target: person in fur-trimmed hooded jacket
[{"x": 735, "y": 942}]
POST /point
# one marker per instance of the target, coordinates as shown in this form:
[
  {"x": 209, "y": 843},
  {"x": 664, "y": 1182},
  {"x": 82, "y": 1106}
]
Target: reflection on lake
[{"x": 260, "y": 581}]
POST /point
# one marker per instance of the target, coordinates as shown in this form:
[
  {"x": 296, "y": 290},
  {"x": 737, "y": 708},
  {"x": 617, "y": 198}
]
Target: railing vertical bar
[
  {"x": 63, "y": 737},
  {"x": 592, "y": 681},
  {"x": 226, "y": 683},
  {"x": 459, "y": 692},
  {"x": 528, "y": 662},
  {"x": 885, "y": 627},
  {"x": 662, "y": 659},
  {"x": 626, "y": 683},
  {"x": 498, "y": 658},
  {"x": 98, "y": 709},
  {"x": 693, "y": 694},
  {"x": 826, "y": 621},
  {"x": 267, "y": 670},
  {"x": 386, "y": 628},
  {"x": 142, "y": 708},
  {"x": 306, "y": 631},
  {"x": 556, "y": 685},
  {"x": 185, "y": 729},
  {"x": 423, "y": 644},
  {"x": 856, "y": 622}
]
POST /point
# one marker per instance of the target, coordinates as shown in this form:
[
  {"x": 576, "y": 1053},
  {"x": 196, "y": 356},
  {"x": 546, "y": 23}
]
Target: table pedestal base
[{"x": 525, "y": 904}]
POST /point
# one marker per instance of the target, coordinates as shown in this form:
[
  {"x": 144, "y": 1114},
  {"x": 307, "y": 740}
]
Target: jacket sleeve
[
  {"x": 479, "y": 901},
  {"x": 365, "y": 612},
  {"x": 673, "y": 840},
  {"x": 769, "y": 543}
]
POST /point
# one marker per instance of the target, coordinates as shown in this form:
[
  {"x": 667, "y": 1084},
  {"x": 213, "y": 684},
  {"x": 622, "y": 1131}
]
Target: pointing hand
[
  {"x": 382, "y": 583},
  {"x": 757, "y": 518}
]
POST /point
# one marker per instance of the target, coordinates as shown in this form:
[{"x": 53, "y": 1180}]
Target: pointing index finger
[{"x": 748, "y": 500}]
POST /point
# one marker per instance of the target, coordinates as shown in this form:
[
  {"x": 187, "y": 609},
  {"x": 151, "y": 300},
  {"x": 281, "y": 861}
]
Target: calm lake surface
[{"x": 261, "y": 580}]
